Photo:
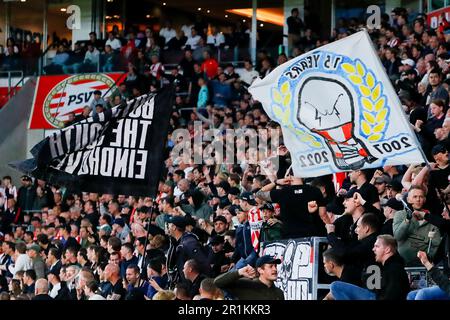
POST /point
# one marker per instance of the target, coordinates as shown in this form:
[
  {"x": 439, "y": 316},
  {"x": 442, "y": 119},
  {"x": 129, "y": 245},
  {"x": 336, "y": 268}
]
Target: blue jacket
[
  {"x": 203, "y": 97},
  {"x": 244, "y": 245}
]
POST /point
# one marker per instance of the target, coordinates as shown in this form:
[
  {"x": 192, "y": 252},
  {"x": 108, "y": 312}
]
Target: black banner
[{"x": 119, "y": 151}]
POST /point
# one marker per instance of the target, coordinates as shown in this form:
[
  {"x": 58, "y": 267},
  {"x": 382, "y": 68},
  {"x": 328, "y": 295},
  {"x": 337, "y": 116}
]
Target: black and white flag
[{"x": 119, "y": 151}]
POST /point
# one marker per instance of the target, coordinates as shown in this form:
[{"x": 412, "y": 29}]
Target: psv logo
[{"x": 72, "y": 95}]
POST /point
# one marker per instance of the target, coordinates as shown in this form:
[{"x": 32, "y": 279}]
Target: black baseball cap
[
  {"x": 394, "y": 204},
  {"x": 224, "y": 185},
  {"x": 248, "y": 196},
  {"x": 439, "y": 148},
  {"x": 216, "y": 240},
  {"x": 234, "y": 191},
  {"x": 395, "y": 185},
  {"x": 350, "y": 193},
  {"x": 220, "y": 218},
  {"x": 266, "y": 259},
  {"x": 234, "y": 210},
  {"x": 176, "y": 220},
  {"x": 268, "y": 206},
  {"x": 120, "y": 222}
]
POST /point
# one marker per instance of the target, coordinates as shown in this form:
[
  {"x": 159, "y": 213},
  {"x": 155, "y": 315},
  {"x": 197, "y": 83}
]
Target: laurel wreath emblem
[
  {"x": 281, "y": 99},
  {"x": 373, "y": 124}
]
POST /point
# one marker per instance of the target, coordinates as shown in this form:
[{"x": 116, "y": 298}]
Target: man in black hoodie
[
  {"x": 389, "y": 283},
  {"x": 358, "y": 254}
]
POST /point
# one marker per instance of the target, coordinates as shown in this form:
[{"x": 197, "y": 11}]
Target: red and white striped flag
[{"x": 255, "y": 219}]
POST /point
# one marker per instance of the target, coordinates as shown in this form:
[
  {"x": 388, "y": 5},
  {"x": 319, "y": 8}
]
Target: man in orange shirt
[{"x": 210, "y": 65}]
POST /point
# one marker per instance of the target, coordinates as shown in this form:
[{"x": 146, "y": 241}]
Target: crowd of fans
[{"x": 194, "y": 241}]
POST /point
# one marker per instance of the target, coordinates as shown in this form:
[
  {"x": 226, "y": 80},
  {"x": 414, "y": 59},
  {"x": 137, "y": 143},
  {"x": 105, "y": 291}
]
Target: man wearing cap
[
  {"x": 220, "y": 226},
  {"x": 407, "y": 64},
  {"x": 344, "y": 227},
  {"x": 244, "y": 253},
  {"x": 271, "y": 227},
  {"x": 380, "y": 183},
  {"x": 248, "y": 284},
  {"x": 120, "y": 229},
  {"x": 390, "y": 208},
  {"x": 217, "y": 258},
  {"x": 183, "y": 246},
  {"x": 293, "y": 198},
  {"x": 33, "y": 251}
]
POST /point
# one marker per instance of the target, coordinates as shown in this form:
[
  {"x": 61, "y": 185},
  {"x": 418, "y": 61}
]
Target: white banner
[
  {"x": 295, "y": 273},
  {"x": 338, "y": 110}
]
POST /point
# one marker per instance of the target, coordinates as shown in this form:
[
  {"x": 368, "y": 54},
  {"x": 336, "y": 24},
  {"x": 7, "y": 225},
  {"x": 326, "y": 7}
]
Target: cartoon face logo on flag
[{"x": 338, "y": 110}]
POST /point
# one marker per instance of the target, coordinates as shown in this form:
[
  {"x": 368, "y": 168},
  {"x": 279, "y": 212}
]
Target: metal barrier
[
  {"x": 12, "y": 89},
  {"x": 10, "y": 73}
]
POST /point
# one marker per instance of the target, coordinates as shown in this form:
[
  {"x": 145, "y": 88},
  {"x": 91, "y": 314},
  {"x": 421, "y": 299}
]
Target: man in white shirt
[
  {"x": 167, "y": 32},
  {"x": 186, "y": 28},
  {"x": 113, "y": 42},
  {"x": 193, "y": 39},
  {"x": 248, "y": 75},
  {"x": 215, "y": 38},
  {"x": 21, "y": 260}
]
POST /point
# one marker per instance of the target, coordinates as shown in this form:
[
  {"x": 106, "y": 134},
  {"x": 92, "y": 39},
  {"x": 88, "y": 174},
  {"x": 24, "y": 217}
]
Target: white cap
[{"x": 409, "y": 62}]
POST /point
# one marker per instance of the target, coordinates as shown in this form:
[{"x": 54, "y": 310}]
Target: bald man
[
  {"x": 41, "y": 290},
  {"x": 116, "y": 291}
]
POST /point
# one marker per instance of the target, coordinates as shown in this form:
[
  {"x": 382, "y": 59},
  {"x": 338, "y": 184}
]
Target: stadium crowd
[{"x": 194, "y": 241}]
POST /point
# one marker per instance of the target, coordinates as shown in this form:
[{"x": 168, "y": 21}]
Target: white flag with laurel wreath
[{"x": 338, "y": 110}]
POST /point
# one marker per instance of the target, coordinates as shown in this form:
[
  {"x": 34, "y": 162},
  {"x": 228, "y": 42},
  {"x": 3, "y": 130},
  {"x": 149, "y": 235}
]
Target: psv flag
[
  {"x": 338, "y": 110},
  {"x": 119, "y": 151}
]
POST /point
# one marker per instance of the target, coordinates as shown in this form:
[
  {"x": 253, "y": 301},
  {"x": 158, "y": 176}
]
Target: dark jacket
[
  {"x": 357, "y": 253},
  {"x": 270, "y": 232},
  {"x": 186, "y": 248},
  {"x": 244, "y": 245},
  {"x": 247, "y": 289},
  {"x": 56, "y": 268},
  {"x": 25, "y": 197},
  {"x": 394, "y": 280},
  {"x": 63, "y": 292}
]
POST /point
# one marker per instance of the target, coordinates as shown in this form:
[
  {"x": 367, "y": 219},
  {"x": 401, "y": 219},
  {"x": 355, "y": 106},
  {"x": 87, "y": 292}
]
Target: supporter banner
[
  {"x": 434, "y": 18},
  {"x": 56, "y": 96},
  {"x": 119, "y": 151},
  {"x": 295, "y": 273},
  {"x": 338, "y": 110}
]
